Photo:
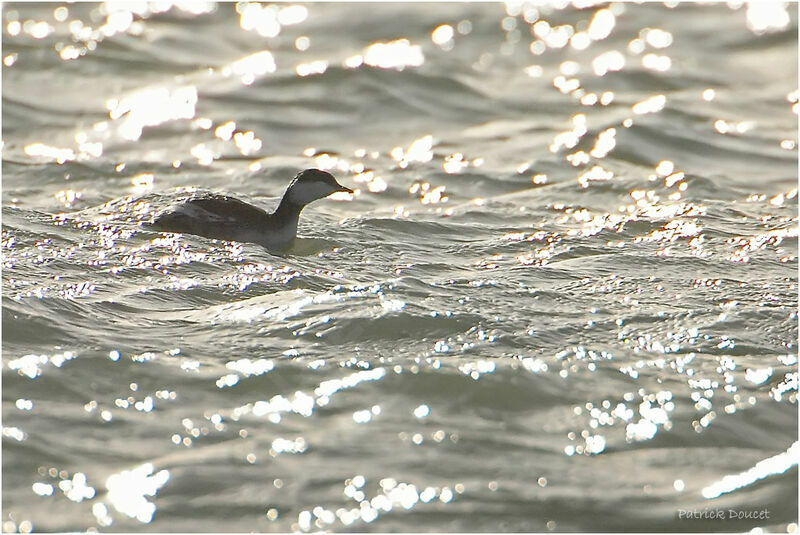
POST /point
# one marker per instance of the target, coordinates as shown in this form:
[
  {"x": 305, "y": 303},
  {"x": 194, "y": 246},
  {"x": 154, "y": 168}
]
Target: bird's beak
[{"x": 346, "y": 190}]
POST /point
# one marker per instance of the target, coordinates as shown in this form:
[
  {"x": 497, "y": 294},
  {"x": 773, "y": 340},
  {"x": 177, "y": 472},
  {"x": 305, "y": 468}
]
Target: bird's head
[{"x": 312, "y": 184}]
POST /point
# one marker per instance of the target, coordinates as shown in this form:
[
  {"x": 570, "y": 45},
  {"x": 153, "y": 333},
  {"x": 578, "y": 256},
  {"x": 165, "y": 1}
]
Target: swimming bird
[{"x": 226, "y": 218}]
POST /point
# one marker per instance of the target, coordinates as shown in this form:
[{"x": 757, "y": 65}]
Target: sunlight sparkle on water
[
  {"x": 303, "y": 404},
  {"x": 601, "y": 25},
  {"x": 580, "y": 41},
  {"x": 570, "y": 138},
  {"x": 475, "y": 369},
  {"x": 60, "y": 155},
  {"x": 14, "y": 27},
  {"x": 263, "y": 20},
  {"x": 656, "y": 37},
  {"x": 454, "y": 163},
  {"x": 606, "y": 141},
  {"x": 596, "y": 174},
  {"x": 391, "y": 495},
  {"x": 362, "y": 417},
  {"x": 434, "y": 196},
  {"x": 637, "y": 211},
  {"x": 142, "y": 183},
  {"x": 150, "y": 107},
  {"x": 31, "y": 365},
  {"x": 397, "y": 54},
  {"x": 24, "y": 404},
  {"x": 77, "y": 489},
  {"x": 283, "y": 445},
  {"x": 558, "y": 36},
  {"x": 534, "y": 71},
  {"x": 595, "y": 444},
  {"x": 420, "y": 150},
  {"x": 247, "y": 142},
  {"x": 225, "y": 130},
  {"x": 252, "y": 66},
  {"x": 42, "y": 489},
  {"x": 294, "y": 14},
  {"x": 71, "y": 52},
  {"x": 248, "y": 367},
  {"x": 37, "y": 29},
  {"x": 328, "y": 388},
  {"x": 765, "y": 17},
  {"x": 653, "y": 104},
  {"x": 315, "y": 67},
  {"x": 127, "y": 491},
  {"x": 68, "y": 197},
  {"x": 14, "y": 433},
  {"x": 758, "y": 376},
  {"x": 205, "y": 155},
  {"x": 422, "y": 411},
  {"x": 768, "y": 467},
  {"x": 725, "y": 127},
  {"x": 655, "y": 62},
  {"x": 442, "y": 34}
]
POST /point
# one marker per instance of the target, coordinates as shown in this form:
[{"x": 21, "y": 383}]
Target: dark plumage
[{"x": 226, "y": 218}]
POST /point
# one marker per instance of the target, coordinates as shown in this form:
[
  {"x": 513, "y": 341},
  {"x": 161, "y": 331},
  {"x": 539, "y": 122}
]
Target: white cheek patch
[{"x": 310, "y": 191}]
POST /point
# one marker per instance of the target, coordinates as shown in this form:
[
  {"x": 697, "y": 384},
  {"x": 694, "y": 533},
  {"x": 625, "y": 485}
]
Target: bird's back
[{"x": 212, "y": 216}]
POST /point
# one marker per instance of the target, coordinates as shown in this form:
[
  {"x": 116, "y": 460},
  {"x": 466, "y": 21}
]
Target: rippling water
[{"x": 563, "y": 297}]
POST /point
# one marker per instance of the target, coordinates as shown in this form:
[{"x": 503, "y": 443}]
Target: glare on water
[{"x": 561, "y": 297}]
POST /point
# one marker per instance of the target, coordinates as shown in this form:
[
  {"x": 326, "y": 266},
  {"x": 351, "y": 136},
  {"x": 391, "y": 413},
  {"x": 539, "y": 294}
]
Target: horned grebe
[{"x": 225, "y": 218}]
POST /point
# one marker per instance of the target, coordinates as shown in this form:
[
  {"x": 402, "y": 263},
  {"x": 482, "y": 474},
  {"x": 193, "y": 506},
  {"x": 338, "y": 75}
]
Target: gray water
[{"x": 563, "y": 297}]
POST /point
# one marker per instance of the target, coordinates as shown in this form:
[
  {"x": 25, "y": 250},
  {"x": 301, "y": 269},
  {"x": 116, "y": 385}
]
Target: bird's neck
[
  {"x": 284, "y": 219},
  {"x": 288, "y": 210}
]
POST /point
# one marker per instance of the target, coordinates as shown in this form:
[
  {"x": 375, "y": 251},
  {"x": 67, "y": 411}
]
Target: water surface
[{"x": 563, "y": 298}]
